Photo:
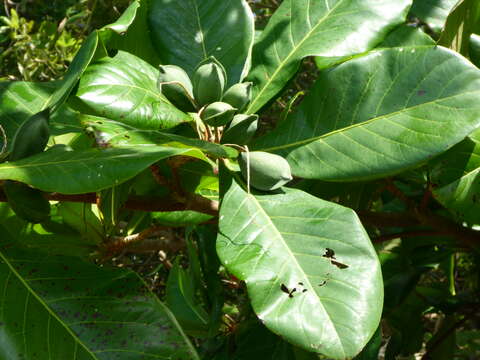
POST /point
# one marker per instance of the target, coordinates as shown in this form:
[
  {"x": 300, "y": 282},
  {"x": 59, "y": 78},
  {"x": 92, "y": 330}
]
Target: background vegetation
[{"x": 38, "y": 40}]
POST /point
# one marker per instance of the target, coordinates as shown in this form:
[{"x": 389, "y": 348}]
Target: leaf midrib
[
  {"x": 378, "y": 118},
  {"x": 285, "y": 245},
  {"x": 83, "y": 160}
]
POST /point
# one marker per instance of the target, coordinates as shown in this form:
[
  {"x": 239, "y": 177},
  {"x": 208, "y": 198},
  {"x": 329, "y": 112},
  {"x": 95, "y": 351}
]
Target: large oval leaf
[
  {"x": 124, "y": 88},
  {"x": 292, "y": 240},
  {"x": 457, "y": 179},
  {"x": 186, "y": 32},
  {"x": 77, "y": 172},
  {"x": 57, "y": 307},
  {"x": 329, "y": 29},
  {"x": 380, "y": 114}
]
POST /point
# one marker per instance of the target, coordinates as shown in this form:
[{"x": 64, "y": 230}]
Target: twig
[{"x": 141, "y": 203}]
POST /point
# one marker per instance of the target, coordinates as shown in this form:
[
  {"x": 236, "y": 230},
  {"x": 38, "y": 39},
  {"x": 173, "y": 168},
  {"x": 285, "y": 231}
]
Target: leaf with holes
[
  {"x": 329, "y": 29},
  {"x": 311, "y": 271},
  {"x": 87, "y": 170},
  {"x": 58, "y": 307},
  {"x": 124, "y": 88},
  {"x": 380, "y": 114},
  {"x": 185, "y": 32}
]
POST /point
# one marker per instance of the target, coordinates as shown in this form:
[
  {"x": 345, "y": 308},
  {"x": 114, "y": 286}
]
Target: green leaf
[
  {"x": 180, "y": 298},
  {"x": 124, "y": 88},
  {"x": 328, "y": 29},
  {"x": 255, "y": 342},
  {"x": 185, "y": 32},
  {"x": 281, "y": 241},
  {"x": 179, "y": 218},
  {"x": 380, "y": 114},
  {"x": 82, "y": 218},
  {"x": 457, "y": 176},
  {"x": 404, "y": 36},
  {"x": 474, "y": 50},
  {"x": 19, "y": 100},
  {"x": 433, "y": 12},
  {"x": 370, "y": 352},
  {"x": 80, "y": 62},
  {"x": 116, "y": 134},
  {"x": 461, "y": 23},
  {"x": 58, "y": 307},
  {"x": 87, "y": 170},
  {"x": 131, "y": 26},
  {"x": 52, "y": 237}
]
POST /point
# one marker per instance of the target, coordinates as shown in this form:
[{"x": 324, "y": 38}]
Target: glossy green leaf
[
  {"x": 58, "y": 307},
  {"x": 185, "y": 32},
  {"x": 433, "y": 12},
  {"x": 289, "y": 240},
  {"x": 124, "y": 33},
  {"x": 124, "y": 88},
  {"x": 181, "y": 299},
  {"x": 116, "y": 134},
  {"x": 380, "y": 114},
  {"x": 405, "y": 36},
  {"x": 87, "y": 170},
  {"x": 328, "y": 29},
  {"x": 457, "y": 179}
]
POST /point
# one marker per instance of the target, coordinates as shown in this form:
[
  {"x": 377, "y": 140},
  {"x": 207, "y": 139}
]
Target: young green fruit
[
  {"x": 218, "y": 114},
  {"x": 239, "y": 95},
  {"x": 241, "y": 129},
  {"x": 31, "y": 137},
  {"x": 209, "y": 81},
  {"x": 174, "y": 83},
  {"x": 267, "y": 171},
  {"x": 27, "y": 203}
]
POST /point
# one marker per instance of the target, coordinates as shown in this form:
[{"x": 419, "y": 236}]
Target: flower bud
[
  {"x": 239, "y": 95},
  {"x": 218, "y": 114},
  {"x": 209, "y": 81},
  {"x": 174, "y": 83}
]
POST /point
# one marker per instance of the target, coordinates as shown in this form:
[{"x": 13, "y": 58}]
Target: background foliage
[{"x": 431, "y": 279}]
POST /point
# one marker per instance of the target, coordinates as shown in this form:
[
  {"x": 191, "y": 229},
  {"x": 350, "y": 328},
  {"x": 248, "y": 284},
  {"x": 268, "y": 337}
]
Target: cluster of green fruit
[{"x": 206, "y": 95}]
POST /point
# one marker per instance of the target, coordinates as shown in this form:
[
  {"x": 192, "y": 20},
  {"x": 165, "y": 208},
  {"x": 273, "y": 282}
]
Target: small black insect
[
  {"x": 322, "y": 283},
  {"x": 289, "y": 292}
]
